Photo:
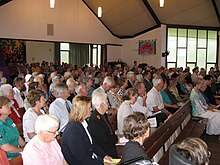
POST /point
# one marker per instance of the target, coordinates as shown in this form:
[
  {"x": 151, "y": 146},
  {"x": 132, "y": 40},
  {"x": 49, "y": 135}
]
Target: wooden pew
[{"x": 179, "y": 126}]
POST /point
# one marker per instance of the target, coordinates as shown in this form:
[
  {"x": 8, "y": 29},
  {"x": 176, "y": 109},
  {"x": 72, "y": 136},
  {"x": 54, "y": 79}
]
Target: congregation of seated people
[{"x": 44, "y": 100}]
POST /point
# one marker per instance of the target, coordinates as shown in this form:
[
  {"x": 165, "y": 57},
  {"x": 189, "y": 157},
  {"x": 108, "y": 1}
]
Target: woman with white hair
[
  {"x": 43, "y": 149},
  {"x": 100, "y": 126},
  {"x": 16, "y": 114}
]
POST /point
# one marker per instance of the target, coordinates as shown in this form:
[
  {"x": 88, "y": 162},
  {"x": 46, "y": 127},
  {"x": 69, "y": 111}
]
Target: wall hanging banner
[{"x": 147, "y": 47}]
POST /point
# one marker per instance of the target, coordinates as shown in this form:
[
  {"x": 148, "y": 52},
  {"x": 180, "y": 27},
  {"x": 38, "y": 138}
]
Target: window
[
  {"x": 191, "y": 47},
  {"x": 96, "y": 54},
  {"x": 76, "y": 53},
  {"x": 64, "y": 53}
]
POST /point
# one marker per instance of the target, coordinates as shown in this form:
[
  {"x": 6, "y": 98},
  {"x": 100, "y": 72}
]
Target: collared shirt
[
  {"x": 18, "y": 98},
  {"x": 58, "y": 108},
  {"x": 123, "y": 111},
  {"x": 29, "y": 119},
  {"x": 139, "y": 107},
  {"x": 85, "y": 126},
  {"x": 9, "y": 135},
  {"x": 154, "y": 99},
  {"x": 39, "y": 152}
]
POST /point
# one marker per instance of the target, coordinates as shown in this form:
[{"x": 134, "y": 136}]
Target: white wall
[
  {"x": 72, "y": 20},
  {"x": 130, "y": 49},
  {"x": 113, "y": 52},
  {"x": 39, "y": 51}
]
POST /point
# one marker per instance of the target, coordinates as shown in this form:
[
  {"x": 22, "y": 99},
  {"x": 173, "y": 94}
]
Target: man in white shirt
[
  {"x": 154, "y": 100},
  {"x": 61, "y": 106},
  {"x": 18, "y": 85}
]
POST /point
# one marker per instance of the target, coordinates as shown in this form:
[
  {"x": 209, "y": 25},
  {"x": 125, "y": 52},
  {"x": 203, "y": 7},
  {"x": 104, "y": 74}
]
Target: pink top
[{"x": 37, "y": 152}]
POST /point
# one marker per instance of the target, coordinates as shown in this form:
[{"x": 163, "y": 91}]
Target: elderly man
[
  {"x": 100, "y": 126},
  {"x": 131, "y": 79},
  {"x": 154, "y": 100},
  {"x": 71, "y": 83},
  {"x": 60, "y": 107},
  {"x": 18, "y": 87},
  {"x": 106, "y": 85},
  {"x": 82, "y": 90}
]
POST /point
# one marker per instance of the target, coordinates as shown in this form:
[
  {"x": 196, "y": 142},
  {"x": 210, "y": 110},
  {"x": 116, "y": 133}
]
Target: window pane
[
  {"x": 181, "y": 58},
  {"x": 212, "y": 46},
  {"x": 181, "y": 37},
  {"x": 64, "y": 46},
  {"x": 191, "y": 66},
  {"x": 94, "y": 56},
  {"x": 99, "y": 55},
  {"x": 209, "y": 66},
  {"x": 201, "y": 62},
  {"x": 191, "y": 47},
  {"x": 202, "y": 38},
  {"x": 64, "y": 57},
  {"x": 172, "y": 43},
  {"x": 171, "y": 65}
]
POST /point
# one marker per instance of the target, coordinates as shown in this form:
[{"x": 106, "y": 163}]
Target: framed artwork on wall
[{"x": 147, "y": 47}]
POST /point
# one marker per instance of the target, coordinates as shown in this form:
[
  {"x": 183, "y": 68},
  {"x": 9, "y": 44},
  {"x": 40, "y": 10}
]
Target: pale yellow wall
[
  {"x": 114, "y": 52},
  {"x": 39, "y": 51},
  {"x": 130, "y": 49},
  {"x": 73, "y": 22}
]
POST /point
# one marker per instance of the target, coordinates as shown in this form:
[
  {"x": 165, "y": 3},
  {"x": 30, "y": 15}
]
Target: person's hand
[
  {"x": 175, "y": 106},
  {"x": 107, "y": 160}
]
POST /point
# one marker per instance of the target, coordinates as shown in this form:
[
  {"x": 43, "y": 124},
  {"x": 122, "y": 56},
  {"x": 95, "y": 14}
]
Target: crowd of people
[{"x": 47, "y": 99}]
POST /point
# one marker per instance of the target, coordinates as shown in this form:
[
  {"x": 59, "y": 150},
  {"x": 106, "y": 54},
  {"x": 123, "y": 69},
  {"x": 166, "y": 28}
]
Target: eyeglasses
[{"x": 54, "y": 133}]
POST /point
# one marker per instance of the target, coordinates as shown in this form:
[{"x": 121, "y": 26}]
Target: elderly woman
[
  {"x": 10, "y": 141},
  {"x": 16, "y": 114},
  {"x": 100, "y": 126},
  {"x": 43, "y": 149},
  {"x": 78, "y": 146},
  {"x": 202, "y": 109},
  {"x": 37, "y": 100},
  {"x": 136, "y": 129},
  {"x": 125, "y": 109},
  {"x": 192, "y": 151}
]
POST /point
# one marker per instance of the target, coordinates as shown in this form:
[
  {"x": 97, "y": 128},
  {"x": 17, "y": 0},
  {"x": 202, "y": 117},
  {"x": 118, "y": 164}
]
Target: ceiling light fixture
[
  {"x": 161, "y": 3},
  {"x": 99, "y": 11},
  {"x": 52, "y": 4}
]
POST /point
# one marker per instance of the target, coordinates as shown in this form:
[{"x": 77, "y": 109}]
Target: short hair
[
  {"x": 67, "y": 75},
  {"x": 130, "y": 92},
  {"x": 135, "y": 125},
  {"x": 193, "y": 149},
  {"x": 3, "y": 101},
  {"x": 156, "y": 81},
  {"x": 38, "y": 79},
  {"x": 130, "y": 74},
  {"x": 98, "y": 98},
  {"x": 33, "y": 96},
  {"x": 108, "y": 80},
  {"x": 58, "y": 89},
  {"x": 17, "y": 80},
  {"x": 32, "y": 85},
  {"x": 45, "y": 123},
  {"x": 79, "y": 108},
  {"x": 5, "y": 89},
  {"x": 70, "y": 81}
]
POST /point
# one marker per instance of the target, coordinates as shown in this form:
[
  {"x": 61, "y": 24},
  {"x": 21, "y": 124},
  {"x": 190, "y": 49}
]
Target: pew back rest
[{"x": 157, "y": 140}]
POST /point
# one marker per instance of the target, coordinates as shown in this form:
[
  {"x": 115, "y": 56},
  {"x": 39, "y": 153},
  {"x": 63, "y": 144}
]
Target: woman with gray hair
[
  {"x": 43, "y": 149},
  {"x": 16, "y": 114},
  {"x": 100, "y": 126}
]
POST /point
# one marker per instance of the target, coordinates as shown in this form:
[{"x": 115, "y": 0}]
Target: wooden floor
[{"x": 214, "y": 147}]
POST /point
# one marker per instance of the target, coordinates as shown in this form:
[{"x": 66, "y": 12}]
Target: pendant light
[
  {"x": 99, "y": 11},
  {"x": 52, "y": 4},
  {"x": 161, "y": 3}
]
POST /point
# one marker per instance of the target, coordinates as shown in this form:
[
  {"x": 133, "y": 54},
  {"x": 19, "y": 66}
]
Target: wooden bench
[{"x": 179, "y": 126}]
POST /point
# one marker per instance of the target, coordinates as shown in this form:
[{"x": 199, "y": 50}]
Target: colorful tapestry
[{"x": 147, "y": 47}]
